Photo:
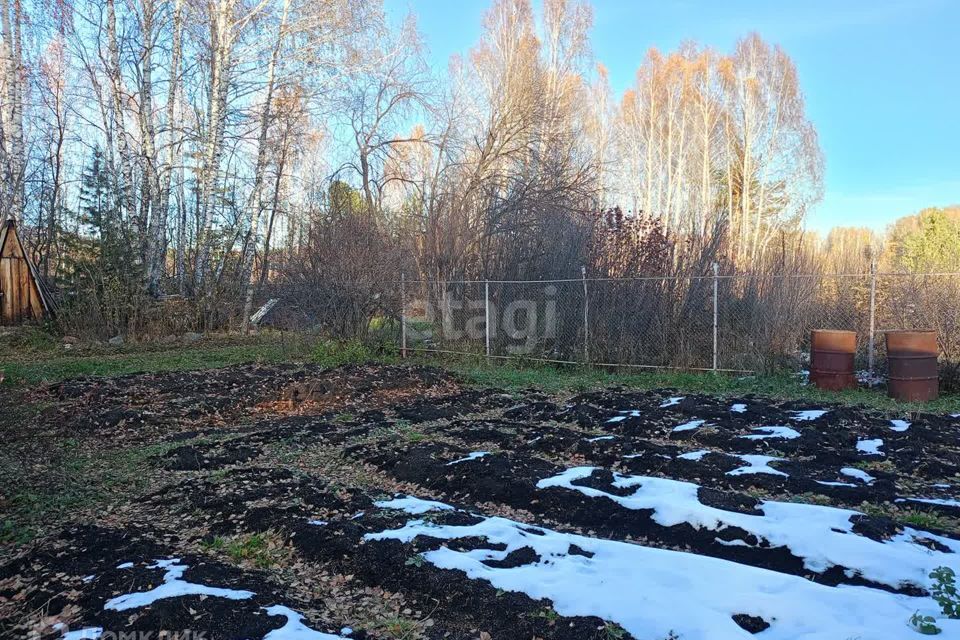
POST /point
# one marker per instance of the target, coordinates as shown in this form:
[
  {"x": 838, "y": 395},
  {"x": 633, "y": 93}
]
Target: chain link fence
[{"x": 736, "y": 323}]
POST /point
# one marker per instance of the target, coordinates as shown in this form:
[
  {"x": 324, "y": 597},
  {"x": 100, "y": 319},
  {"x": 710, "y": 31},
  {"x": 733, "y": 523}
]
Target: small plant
[
  {"x": 944, "y": 590},
  {"x": 415, "y": 561},
  {"x": 613, "y": 631},
  {"x": 399, "y": 628},
  {"x": 262, "y": 550},
  {"x": 924, "y": 624},
  {"x": 549, "y": 615}
]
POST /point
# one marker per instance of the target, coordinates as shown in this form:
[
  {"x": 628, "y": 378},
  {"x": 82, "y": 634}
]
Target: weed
[
  {"x": 399, "y": 628},
  {"x": 415, "y": 561},
  {"x": 262, "y": 550},
  {"x": 331, "y": 353},
  {"x": 926, "y": 625},
  {"x": 944, "y": 590},
  {"x": 613, "y": 631},
  {"x": 548, "y": 614}
]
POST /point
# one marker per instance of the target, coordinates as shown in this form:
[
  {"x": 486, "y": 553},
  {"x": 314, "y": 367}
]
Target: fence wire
[{"x": 743, "y": 322}]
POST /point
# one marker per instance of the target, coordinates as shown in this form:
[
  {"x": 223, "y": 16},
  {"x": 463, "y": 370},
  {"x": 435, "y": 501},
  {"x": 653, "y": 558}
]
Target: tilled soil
[{"x": 265, "y": 482}]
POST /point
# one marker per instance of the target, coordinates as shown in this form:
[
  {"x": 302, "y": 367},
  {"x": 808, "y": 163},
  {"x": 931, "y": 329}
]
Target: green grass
[
  {"x": 30, "y": 367},
  {"x": 566, "y": 378},
  {"x": 70, "y": 478},
  {"x": 262, "y": 550},
  {"x": 35, "y": 361}
]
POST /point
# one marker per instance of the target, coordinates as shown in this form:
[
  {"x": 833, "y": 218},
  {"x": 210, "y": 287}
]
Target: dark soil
[{"x": 265, "y": 478}]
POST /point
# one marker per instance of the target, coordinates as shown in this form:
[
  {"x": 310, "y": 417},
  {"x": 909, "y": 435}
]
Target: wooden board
[{"x": 20, "y": 299}]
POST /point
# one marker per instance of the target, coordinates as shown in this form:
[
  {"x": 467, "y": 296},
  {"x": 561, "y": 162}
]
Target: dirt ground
[{"x": 263, "y": 483}]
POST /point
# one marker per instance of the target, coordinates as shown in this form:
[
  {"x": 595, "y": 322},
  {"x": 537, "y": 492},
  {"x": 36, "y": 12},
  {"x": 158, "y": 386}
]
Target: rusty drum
[
  {"x": 831, "y": 359},
  {"x": 912, "y": 363}
]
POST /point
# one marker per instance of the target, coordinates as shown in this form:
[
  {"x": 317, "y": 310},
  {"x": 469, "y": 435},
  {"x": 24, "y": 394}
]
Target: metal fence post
[
  {"x": 486, "y": 310},
  {"x": 403, "y": 315},
  {"x": 586, "y": 316},
  {"x": 873, "y": 315},
  {"x": 716, "y": 304}
]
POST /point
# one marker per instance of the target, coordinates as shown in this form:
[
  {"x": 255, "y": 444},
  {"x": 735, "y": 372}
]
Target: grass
[
  {"x": 34, "y": 357},
  {"x": 70, "y": 477},
  {"x": 514, "y": 375},
  {"x": 261, "y": 550}
]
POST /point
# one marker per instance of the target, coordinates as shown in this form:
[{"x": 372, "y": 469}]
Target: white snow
[
  {"x": 835, "y": 484},
  {"x": 955, "y": 415},
  {"x": 694, "y": 455},
  {"x": 808, "y": 414},
  {"x": 764, "y": 433},
  {"x": 473, "y": 456},
  {"x": 174, "y": 586},
  {"x": 90, "y": 578},
  {"x": 859, "y": 474},
  {"x": 346, "y": 631},
  {"x": 672, "y": 402},
  {"x": 689, "y": 426},
  {"x": 89, "y": 633},
  {"x": 125, "y": 565},
  {"x": 756, "y": 464},
  {"x": 599, "y": 438},
  {"x": 943, "y": 502},
  {"x": 412, "y": 505},
  {"x": 294, "y": 629},
  {"x": 899, "y": 425},
  {"x": 822, "y": 536},
  {"x": 318, "y": 523},
  {"x": 651, "y": 592},
  {"x": 627, "y": 413},
  {"x": 870, "y": 447},
  {"x": 738, "y": 408}
]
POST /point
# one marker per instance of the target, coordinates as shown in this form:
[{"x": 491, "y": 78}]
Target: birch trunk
[
  {"x": 158, "y": 227},
  {"x": 255, "y": 204},
  {"x": 221, "y": 47},
  {"x": 125, "y": 193}
]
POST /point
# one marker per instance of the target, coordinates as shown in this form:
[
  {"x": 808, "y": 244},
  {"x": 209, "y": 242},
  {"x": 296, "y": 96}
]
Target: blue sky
[{"x": 881, "y": 80}]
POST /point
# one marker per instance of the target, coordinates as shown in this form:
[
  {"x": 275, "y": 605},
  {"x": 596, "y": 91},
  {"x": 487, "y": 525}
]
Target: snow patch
[
  {"x": 822, "y": 536},
  {"x": 693, "y": 596},
  {"x": 89, "y": 633},
  {"x": 294, "y": 629},
  {"x": 870, "y": 447},
  {"x": 694, "y": 455},
  {"x": 672, "y": 402},
  {"x": 808, "y": 414},
  {"x": 125, "y": 565},
  {"x": 764, "y": 433},
  {"x": 738, "y": 408},
  {"x": 599, "y": 438},
  {"x": 756, "y": 464},
  {"x": 174, "y": 586},
  {"x": 626, "y": 413},
  {"x": 414, "y": 506},
  {"x": 899, "y": 425},
  {"x": 689, "y": 426},
  {"x": 859, "y": 474},
  {"x": 318, "y": 523},
  {"x": 941, "y": 502},
  {"x": 473, "y": 456}
]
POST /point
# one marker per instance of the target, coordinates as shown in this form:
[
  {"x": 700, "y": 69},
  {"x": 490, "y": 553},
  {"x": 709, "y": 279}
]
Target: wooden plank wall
[{"x": 19, "y": 296}]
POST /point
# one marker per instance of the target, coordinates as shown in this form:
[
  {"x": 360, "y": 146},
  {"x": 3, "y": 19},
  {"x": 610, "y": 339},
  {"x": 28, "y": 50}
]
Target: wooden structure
[{"x": 23, "y": 296}]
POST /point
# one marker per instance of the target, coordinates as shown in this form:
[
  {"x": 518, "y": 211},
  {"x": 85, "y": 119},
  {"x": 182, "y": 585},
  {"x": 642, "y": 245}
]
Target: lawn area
[{"x": 38, "y": 359}]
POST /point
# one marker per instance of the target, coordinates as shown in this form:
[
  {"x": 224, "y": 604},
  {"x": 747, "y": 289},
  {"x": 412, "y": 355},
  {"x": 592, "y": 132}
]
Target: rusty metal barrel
[
  {"x": 831, "y": 359},
  {"x": 912, "y": 364}
]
